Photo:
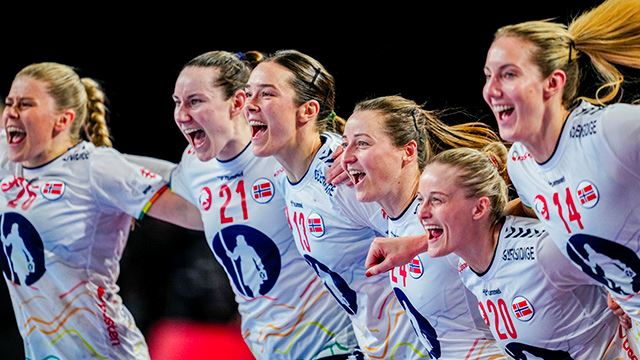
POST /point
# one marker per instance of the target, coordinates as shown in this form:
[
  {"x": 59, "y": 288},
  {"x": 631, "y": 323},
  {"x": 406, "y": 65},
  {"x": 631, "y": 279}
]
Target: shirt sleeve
[
  {"x": 120, "y": 186},
  {"x": 560, "y": 271},
  {"x": 621, "y": 130}
]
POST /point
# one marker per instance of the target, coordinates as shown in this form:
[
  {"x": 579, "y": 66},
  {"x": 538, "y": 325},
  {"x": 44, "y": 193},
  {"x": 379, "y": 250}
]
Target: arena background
[{"x": 169, "y": 278}]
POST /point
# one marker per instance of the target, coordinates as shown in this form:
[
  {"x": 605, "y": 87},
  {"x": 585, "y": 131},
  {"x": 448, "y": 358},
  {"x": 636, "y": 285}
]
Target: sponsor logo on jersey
[
  {"x": 521, "y": 253},
  {"x": 205, "y": 199},
  {"x": 191, "y": 150},
  {"x": 557, "y": 181},
  {"x": 114, "y": 337},
  {"x": 230, "y": 177},
  {"x": 146, "y": 173},
  {"x": 583, "y": 130},
  {"x": 315, "y": 225},
  {"x": 52, "y": 190},
  {"x": 517, "y": 157},
  {"x": 540, "y": 206},
  {"x": 415, "y": 268},
  {"x": 262, "y": 190},
  {"x": 319, "y": 177},
  {"x": 489, "y": 292},
  {"x": 83, "y": 155},
  {"x": 462, "y": 266},
  {"x": 587, "y": 194},
  {"x": 522, "y": 308}
]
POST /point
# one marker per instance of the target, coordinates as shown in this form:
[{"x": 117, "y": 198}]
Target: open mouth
[
  {"x": 356, "y": 176},
  {"x": 503, "y": 111},
  {"x": 15, "y": 135},
  {"x": 197, "y": 136},
  {"x": 433, "y": 231},
  {"x": 257, "y": 128}
]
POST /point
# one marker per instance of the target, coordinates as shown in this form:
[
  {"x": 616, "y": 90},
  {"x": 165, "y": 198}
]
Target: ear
[
  {"x": 308, "y": 111},
  {"x": 481, "y": 208},
  {"x": 64, "y": 120},
  {"x": 554, "y": 83},
  {"x": 238, "y": 101},
  {"x": 410, "y": 152}
]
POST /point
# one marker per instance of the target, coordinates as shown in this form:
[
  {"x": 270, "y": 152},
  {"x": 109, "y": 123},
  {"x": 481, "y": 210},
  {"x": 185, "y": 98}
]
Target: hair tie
[
  {"x": 332, "y": 116},
  {"x": 240, "y": 55},
  {"x": 415, "y": 122},
  {"x": 493, "y": 160}
]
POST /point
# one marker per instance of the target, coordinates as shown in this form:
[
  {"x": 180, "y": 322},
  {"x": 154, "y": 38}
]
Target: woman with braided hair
[{"x": 70, "y": 202}]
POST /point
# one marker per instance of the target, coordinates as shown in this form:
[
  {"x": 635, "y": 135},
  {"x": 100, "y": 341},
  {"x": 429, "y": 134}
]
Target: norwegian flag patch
[
  {"x": 587, "y": 193},
  {"x": 205, "y": 198},
  {"x": 315, "y": 225},
  {"x": 52, "y": 190},
  {"x": 522, "y": 308},
  {"x": 262, "y": 190},
  {"x": 415, "y": 268}
]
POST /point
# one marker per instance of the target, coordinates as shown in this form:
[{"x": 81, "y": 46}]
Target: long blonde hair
[
  {"x": 608, "y": 35},
  {"x": 69, "y": 91}
]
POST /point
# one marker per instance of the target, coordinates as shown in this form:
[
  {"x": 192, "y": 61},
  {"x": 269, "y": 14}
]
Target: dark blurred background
[{"x": 169, "y": 274}]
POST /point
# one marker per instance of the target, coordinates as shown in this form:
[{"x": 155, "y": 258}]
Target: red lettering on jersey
[{"x": 114, "y": 337}]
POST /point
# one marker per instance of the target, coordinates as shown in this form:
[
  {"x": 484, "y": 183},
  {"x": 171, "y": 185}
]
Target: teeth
[
  {"x": 500, "y": 108},
  {"x": 431, "y": 227},
  {"x": 355, "y": 172},
  {"x": 15, "y": 130},
  {"x": 190, "y": 131},
  {"x": 256, "y": 123}
]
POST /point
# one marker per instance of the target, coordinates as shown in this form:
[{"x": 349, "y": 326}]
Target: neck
[
  {"x": 479, "y": 249},
  {"x": 297, "y": 156},
  {"x": 240, "y": 137},
  {"x": 402, "y": 193},
  {"x": 543, "y": 145},
  {"x": 59, "y": 146}
]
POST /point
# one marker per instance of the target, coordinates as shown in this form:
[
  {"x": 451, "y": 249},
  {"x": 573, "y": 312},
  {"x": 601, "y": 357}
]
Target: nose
[
  {"x": 348, "y": 156},
  {"x": 251, "y": 106},
  {"x": 181, "y": 114},
  {"x": 424, "y": 211},
  {"x": 492, "y": 88}
]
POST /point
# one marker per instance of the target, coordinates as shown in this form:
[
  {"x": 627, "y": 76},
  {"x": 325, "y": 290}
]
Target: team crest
[
  {"x": 262, "y": 190},
  {"x": 205, "y": 198},
  {"x": 522, "y": 308},
  {"x": 315, "y": 225},
  {"x": 52, "y": 190},
  {"x": 415, "y": 268},
  {"x": 587, "y": 194}
]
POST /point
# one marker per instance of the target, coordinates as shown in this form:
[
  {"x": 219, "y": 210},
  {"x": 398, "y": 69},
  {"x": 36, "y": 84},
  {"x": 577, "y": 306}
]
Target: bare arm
[
  {"x": 387, "y": 253},
  {"x": 515, "y": 207},
  {"x": 172, "y": 208}
]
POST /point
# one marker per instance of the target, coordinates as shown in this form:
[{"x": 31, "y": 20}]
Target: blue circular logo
[
  {"x": 250, "y": 257},
  {"x": 22, "y": 258}
]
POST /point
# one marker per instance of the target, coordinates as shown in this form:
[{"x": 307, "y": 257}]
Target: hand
[
  {"x": 624, "y": 319},
  {"x": 336, "y": 174},
  {"x": 387, "y": 253}
]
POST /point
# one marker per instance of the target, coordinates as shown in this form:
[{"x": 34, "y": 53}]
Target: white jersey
[
  {"x": 333, "y": 231},
  {"x": 64, "y": 226},
  {"x": 588, "y": 195},
  {"x": 536, "y": 303},
  {"x": 443, "y": 312},
  {"x": 286, "y": 311}
]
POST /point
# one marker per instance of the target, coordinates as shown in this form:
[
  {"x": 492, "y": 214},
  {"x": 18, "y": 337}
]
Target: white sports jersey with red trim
[
  {"x": 286, "y": 311},
  {"x": 333, "y": 232},
  {"x": 443, "y": 312},
  {"x": 536, "y": 303},
  {"x": 588, "y": 195},
  {"x": 63, "y": 228}
]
